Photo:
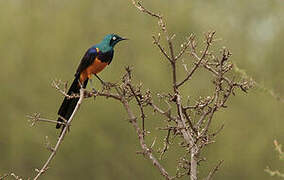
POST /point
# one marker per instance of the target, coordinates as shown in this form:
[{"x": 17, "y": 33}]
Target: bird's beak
[{"x": 122, "y": 39}]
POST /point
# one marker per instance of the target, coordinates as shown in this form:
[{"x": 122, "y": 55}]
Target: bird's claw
[{"x": 94, "y": 90}]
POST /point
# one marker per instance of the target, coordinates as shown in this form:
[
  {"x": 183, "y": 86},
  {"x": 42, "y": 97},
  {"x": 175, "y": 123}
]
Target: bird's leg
[
  {"x": 92, "y": 85},
  {"x": 103, "y": 83},
  {"x": 80, "y": 84}
]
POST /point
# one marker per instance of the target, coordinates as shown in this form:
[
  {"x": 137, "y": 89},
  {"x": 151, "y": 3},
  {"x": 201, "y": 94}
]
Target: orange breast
[{"x": 94, "y": 68}]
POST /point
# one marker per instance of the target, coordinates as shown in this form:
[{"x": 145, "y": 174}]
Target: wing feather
[{"x": 87, "y": 60}]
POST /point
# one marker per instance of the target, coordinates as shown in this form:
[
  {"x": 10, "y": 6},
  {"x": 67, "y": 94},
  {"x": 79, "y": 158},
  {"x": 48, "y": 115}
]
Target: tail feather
[{"x": 68, "y": 105}]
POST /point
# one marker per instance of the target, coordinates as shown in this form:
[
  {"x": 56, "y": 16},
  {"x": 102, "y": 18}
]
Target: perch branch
[{"x": 60, "y": 140}]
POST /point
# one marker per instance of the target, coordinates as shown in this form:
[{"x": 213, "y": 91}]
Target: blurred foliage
[{"x": 44, "y": 40}]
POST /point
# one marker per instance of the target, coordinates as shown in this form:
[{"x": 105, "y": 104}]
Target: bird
[{"x": 94, "y": 61}]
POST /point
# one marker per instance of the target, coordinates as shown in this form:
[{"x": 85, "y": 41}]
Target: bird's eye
[{"x": 114, "y": 38}]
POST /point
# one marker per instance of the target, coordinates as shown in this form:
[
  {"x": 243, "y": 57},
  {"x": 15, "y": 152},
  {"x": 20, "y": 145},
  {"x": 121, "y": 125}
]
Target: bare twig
[
  {"x": 36, "y": 118},
  {"x": 139, "y": 6},
  {"x": 157, "y": 43},
  {"x": 166, "y": 143},
  {"x": 185, "y": 46},
  {"x": 15, "y": 176},
  {"x": 274, "y": 172},
  {"x": 165, "y": 113},
  {"x": 140, "y": 107},
  {"x": 197, "y": 64},
  {"x": 146, "y": 151},
  {"x": 214, "y": 170},
  {"x": 60, "y": 140},
  {"x": 278, "y": 148}
]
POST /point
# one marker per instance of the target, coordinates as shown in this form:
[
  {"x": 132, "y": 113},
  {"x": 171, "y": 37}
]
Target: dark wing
[{"x": 87, "y": 60}]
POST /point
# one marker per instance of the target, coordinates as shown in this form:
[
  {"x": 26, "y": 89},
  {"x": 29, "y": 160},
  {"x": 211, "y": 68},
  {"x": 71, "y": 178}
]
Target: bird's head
[{"x": 111, "y": 40}]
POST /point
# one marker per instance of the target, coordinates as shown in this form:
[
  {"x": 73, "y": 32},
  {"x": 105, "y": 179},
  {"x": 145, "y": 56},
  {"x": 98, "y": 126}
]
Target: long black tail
[{"x": 68, "y": 105}]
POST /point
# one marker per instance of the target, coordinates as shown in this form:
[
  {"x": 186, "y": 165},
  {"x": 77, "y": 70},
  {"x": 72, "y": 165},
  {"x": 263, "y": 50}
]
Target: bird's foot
[{"x": 94, "y": 90}]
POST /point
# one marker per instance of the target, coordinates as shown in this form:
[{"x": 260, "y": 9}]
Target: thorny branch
[
  {"x": 194, "y": 132},
  {"x": 147, "y": 152},
  {"x": 213, "y": 171},
  {"x": 13, "y": 175},
  {"x": 278, "y": 148},
  {"x": 138, "y": 98},
  {"x": 187, "y": 123},
  {"x": 61, "y": 137},
  {"x": 199, "y": 60}
]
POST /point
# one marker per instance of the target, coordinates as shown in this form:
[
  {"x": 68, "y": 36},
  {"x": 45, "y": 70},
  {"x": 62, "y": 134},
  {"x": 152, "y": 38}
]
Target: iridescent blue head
[{"x": 109, "y": 41}]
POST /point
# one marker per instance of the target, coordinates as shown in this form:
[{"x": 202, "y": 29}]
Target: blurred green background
[{"x": 44, "y": 40}]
